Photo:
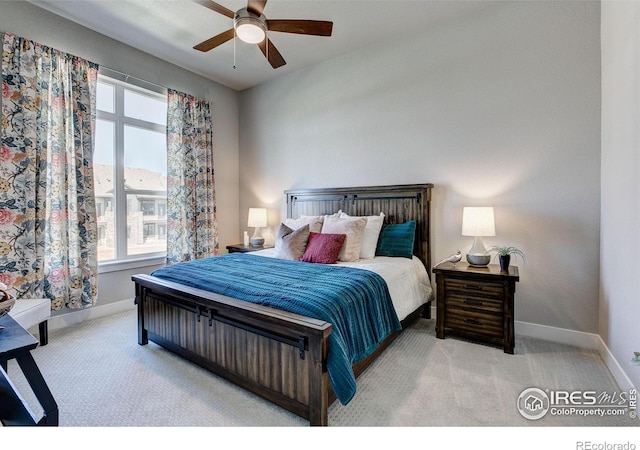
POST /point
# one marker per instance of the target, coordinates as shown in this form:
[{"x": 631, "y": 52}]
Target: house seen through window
[{"x": 130, "y": 169}]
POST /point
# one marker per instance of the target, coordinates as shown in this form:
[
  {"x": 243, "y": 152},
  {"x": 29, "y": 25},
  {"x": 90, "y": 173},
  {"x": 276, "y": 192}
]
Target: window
[
  {"x": 149, "y": 230},
  {"x": 148, "y": 207},
  {"x": 130, "y": 169}
]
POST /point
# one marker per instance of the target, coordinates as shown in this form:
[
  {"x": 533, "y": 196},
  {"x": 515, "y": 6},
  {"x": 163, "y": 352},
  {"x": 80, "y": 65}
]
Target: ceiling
[{"x": 168, "y": 29}]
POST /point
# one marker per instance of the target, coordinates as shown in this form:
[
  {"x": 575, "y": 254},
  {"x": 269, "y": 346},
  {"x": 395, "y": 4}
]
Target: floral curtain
[
  {"x": 48, "y": 229},
  {"x": 192, "y": 228}
]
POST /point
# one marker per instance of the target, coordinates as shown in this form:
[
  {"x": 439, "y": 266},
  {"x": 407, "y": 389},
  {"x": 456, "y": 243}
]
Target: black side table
[
  {"x": 17, "y": 343},
  {"x": 241, "y": 248}
]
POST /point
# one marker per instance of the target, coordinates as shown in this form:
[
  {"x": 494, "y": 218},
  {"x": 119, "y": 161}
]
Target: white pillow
[
  {"x": 353, "y": 228},
  {"x": 314, "y": 222},
  {"x": 334, "y": 215},
  {"x": 370, "y": 236}
]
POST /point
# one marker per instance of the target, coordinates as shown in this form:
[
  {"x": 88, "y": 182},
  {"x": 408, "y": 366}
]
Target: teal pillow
[{"x": 397, "y": 239}]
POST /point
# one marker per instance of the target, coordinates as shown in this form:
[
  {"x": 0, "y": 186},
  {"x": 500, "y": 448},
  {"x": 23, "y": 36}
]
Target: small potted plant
[{"x": 504, "y": 255}]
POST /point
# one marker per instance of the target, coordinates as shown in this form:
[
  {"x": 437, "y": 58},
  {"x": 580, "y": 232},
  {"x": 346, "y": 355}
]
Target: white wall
[
  {"x": 26, "y": 20},
  {"x": 500, "y": 108},
  {"x": 620, "y": 224}
]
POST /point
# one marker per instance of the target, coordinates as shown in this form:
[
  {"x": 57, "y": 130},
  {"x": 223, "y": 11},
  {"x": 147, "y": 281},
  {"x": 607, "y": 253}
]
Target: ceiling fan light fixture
[{"x": 250, "y": 28}]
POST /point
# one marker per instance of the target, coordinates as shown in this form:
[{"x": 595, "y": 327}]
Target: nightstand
[
  {"x": 241, "y": 248},
  {"x": 476, "y": 303}
]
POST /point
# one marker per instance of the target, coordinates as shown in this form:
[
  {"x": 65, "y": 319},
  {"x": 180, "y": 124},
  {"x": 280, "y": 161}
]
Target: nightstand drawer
[
  {"x": 471, "y": 302},
  {"x": 474, "y": 322},
  {"x": 474, "y": 287}
]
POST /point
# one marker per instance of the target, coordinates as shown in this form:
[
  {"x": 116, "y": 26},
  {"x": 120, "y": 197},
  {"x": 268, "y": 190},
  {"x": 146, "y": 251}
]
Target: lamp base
[
  {"x": 477, "y": 256},
  {"x": 257, "y": 240},
  {"x": 478, "y": 260}
]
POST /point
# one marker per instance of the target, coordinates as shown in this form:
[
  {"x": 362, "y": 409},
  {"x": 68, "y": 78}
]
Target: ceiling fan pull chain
[{"x": 234, "y": 51}]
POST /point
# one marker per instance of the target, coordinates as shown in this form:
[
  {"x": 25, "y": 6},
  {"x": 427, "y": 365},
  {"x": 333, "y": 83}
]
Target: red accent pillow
[{"x": 323, "y": 248}]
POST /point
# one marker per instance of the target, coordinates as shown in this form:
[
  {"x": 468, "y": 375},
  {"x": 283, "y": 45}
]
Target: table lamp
[
  {"x": 257, "y": 219},
  {"x": 478, "y": 221}
]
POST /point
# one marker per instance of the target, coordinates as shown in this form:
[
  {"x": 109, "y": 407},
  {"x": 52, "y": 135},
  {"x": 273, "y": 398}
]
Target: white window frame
[{"x": 120, "y": 82}]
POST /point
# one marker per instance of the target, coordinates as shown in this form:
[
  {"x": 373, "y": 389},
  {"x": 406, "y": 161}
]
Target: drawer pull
[
  {"x": 472, "y": 302},
  {"x": 472, "y": 321},
  {"x": 472, "y": 286}
]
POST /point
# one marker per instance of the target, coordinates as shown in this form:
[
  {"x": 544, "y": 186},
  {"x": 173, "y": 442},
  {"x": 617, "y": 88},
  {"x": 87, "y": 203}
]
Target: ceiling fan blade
[
  {"x": 216, "y": 7},
  {"x": 215, "y": 41},
  {"x": 256, "y": 6},
  {"x": 273, "y": 55},
  {"x": 312, "y": 27}
]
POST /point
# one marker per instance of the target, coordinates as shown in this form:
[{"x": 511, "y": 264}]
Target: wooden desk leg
[{"x": 40, "y": 389}]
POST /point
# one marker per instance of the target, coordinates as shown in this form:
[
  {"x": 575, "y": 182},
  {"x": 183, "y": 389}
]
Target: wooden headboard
[{"x": 400, "y": 203}]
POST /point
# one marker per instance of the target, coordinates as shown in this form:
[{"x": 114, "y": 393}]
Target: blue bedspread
[{"x": 355, "y": 301}]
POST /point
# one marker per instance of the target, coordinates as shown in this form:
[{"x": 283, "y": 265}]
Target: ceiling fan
[{"x": 251, "y": 26}]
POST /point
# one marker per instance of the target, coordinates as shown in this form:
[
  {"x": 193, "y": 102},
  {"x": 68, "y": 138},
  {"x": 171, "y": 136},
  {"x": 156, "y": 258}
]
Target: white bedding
[{"x": 407, "y": 279}]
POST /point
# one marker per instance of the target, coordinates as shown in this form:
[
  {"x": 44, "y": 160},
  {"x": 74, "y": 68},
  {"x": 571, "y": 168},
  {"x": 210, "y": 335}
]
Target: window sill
[{"x": 116, "y": 266}]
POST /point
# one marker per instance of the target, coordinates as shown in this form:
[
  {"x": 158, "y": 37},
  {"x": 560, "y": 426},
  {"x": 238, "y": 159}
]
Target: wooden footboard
[{"x": 275, "y": 354}]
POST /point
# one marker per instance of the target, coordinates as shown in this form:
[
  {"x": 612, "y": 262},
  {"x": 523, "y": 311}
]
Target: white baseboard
[
  {"x": 614, "y": 366},
  {"x": 560, "y": 335},
  {"x": 75, "y": 317},
  {"x": 579, "y": 339}
]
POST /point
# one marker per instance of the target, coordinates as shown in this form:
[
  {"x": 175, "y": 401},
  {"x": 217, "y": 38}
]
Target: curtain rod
[{"x": 127, "y": 77}]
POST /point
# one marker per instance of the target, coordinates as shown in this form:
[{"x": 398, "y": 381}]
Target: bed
[{"x": 284, "y": 356}]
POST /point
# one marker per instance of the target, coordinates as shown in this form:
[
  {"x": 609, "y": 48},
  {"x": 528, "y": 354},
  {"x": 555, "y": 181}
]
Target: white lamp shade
[
  {"x": 478, "y": 221},
  {"x": 257, "y": 217}
]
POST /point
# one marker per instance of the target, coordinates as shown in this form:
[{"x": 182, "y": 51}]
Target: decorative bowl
[{"x": 478, "y": 260}]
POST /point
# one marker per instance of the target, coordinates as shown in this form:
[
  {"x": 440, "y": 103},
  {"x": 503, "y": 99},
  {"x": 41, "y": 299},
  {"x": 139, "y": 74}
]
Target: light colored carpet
[{"x": 101, "y": 377}]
